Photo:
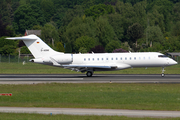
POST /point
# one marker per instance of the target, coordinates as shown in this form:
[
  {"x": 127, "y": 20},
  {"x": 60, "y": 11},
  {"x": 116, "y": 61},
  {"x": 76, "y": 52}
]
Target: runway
[
  {"x": 83, "y": 111},
  {"x": 81, "y": 78}
]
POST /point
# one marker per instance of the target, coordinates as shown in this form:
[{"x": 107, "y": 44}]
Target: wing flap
[{"x": 87, "y": 66}]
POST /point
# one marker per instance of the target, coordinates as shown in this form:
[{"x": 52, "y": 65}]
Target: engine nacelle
[
  {"x": 63, "y": 58},
  {"x": 36, "y": 60}
]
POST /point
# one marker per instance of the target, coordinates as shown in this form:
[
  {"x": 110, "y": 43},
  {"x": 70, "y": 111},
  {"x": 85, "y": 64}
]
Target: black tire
[
  {"x": 162, "y": 75},
  {"x": 89, "y": 74}
]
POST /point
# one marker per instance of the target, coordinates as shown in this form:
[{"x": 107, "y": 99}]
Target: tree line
[{"x": 93, "y": 25}]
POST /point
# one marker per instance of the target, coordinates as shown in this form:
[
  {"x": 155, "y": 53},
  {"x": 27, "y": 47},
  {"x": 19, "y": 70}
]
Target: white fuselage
[
  {"x": 145, "y": 59},
  {"x": 116, "y": 61}
]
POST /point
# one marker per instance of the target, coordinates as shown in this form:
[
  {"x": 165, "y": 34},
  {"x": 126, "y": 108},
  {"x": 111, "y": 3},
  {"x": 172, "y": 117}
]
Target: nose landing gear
[{"x": 162, "y": 75}]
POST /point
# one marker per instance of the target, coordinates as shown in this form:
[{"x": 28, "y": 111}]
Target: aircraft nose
[{"x": 173, "y": 62}]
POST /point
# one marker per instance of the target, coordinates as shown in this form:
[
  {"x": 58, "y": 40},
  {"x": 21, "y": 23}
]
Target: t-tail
[{"x": 39, "y": 49}]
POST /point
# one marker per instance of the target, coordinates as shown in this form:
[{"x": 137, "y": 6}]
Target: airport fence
[{"x": 15, "y": 58}]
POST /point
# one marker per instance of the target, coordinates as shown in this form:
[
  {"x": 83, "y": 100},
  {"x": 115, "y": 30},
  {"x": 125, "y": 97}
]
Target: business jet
[{"x": 89, "y": 63}]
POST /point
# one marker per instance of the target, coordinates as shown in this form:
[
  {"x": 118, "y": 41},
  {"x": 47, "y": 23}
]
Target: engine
[
  {"x": 36, "y": 60},
  {"x": 63, "y": 58}
]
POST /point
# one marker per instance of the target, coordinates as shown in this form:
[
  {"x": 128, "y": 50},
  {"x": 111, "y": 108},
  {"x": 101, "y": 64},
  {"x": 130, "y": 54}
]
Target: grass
[
  {"x": 33, "y": 68},
  {"x": 94, "y": 95},
  {"x": 13, "y": 116}
]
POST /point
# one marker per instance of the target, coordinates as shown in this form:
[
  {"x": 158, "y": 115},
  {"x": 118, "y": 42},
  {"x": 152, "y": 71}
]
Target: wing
[
  {"x": 82, "y": 68},
  {"x": 94, "y": 67}
]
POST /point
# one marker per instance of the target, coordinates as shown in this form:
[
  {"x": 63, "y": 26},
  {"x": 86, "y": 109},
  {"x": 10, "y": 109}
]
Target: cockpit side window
[{"x": 162, "y": 56}]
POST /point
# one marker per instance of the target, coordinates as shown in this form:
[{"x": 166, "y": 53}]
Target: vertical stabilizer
[{"x": 37, "y": 47}]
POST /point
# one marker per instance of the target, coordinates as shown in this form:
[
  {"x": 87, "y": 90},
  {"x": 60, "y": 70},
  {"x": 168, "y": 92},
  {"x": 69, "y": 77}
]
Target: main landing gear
[
  {"x": 89, "y": 73},
  {"x": 162, "y": 75}
]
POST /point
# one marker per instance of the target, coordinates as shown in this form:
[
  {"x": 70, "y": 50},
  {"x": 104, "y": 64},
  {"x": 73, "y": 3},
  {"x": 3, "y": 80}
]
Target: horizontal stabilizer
[{"x": 30, "y": 37}]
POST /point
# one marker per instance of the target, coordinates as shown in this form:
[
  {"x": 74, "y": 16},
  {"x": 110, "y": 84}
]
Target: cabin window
[
  {"x": 130, "y": 58},
  {"x": 116, "y": 58},
  {"x": 134, "y": 58},
  {"x": 97, "y": 58},
  {"x": 93, "y": 59},
  {"x": 144, "y": 58},
  {"x": 139, "y": 58},
  {"x": 102, "y": 58},
  {"x": 89, "y": 59},
  {"x": 84, "y": 59},
  {"x": 106, "y": 58},
  {"x": 111, "y": 58},
  {"x": 125, "y": 58},
  {"x": 121, "y": 58},
  {"x": 149, "y": 58}
]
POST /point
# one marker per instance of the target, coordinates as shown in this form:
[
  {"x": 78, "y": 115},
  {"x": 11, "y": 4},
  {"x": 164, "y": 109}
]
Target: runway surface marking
[{"x": 81, "y": 111}]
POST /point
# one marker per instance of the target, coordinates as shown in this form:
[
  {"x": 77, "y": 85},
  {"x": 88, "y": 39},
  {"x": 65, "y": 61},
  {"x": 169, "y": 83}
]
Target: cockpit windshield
[{"x": 162, "y": 56}]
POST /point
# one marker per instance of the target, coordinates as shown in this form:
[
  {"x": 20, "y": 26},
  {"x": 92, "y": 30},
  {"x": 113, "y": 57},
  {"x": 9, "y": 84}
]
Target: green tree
[
  {"x": 140, "y": 13},
  {"x": 82, "y": 50},
  {"x": 104, "y": 31},
  {"x": 154, "y": 35},
  {"x": 156, "y": 19},
  {"x": 48, "y": 9},
  {"x": 78, "y": 27},
  {"x": 7, "y": 46},
  {"x": 26, "y": 16},
  {"x": 6, "y": 11},
  {"x": 176, "y": 12},
  {"x": 176, "y": 29},
  {"x": 49, "y": 34},
  {"x": 115, "y": 20},
  {"x": 5, "y": 30},
  {"x": 112, "y": 45},
  {"x": 25, "y": 50},
  {"x": 4, "y": 42},
  {"x": 7, "y": 50},
  {"x": 22, "y": 2},
  {"x": 58, "y": 16},
  {"x": 60, "y": 47},
  {"x": 172, "y": 44},
  {"x": 157, "y": 47},
  {"x": 136, "y": 32},
  {"x": 127, "y": 13},
  {"x": 125, "y": 9},
  {"x": 37, "y": 27},
  {"x": 70, "y": 14},
  {"x": 85, "y": 42},
  {"x": 163, "y": 7},
  {"x": 68, "y": 48},
  {"x": 98, "y": 10}
]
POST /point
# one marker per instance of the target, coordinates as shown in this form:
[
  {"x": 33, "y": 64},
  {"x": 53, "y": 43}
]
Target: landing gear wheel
[
  {"x": 89, "y": 74},
  {"x": 162, "y": 75}
]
